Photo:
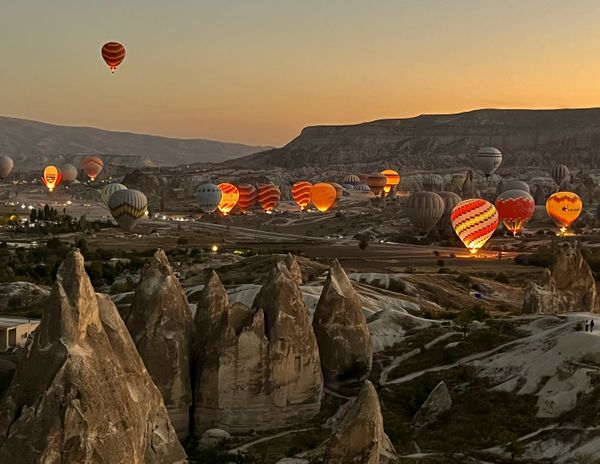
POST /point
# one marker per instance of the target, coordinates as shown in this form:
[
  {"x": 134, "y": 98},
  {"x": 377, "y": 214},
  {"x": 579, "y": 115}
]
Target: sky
[{"x": 258, "y": 71}]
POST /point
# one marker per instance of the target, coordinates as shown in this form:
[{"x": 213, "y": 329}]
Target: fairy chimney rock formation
[
  {"x": 292, "y": 264},
  {"x": 81, "y": 393},
  {"x": 160, "y": 323},
  {"x": 341, "y": 330}
]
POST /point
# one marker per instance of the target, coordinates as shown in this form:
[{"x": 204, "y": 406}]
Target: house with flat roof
[{"x": 15, "y": 330}]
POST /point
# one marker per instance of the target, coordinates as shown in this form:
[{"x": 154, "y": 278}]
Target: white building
[{"x": 15, "y": 330}]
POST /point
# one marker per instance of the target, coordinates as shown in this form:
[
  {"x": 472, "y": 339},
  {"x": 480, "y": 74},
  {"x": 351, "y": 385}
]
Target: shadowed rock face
[
  {"x": 437, "y": 403},
  {"x": 570, "y": 287},
  {"x": 81, "y": 393},
  {"x": 360, "y": 437},
  {"x": 257, "y": 368},
  {"x": 160, "y": 323},
  {"x": 341, "y": 331}
]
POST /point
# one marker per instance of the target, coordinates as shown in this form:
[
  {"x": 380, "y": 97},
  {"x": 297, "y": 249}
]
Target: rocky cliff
[
  {"x": 81, "y": 393},
  {"x": 160, "y": 323}
]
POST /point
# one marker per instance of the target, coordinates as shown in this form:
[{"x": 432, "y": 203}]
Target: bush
[
  {"x": 502, "y": 277},
  {"x": 441, "y": 263},
  {"x": 464, "y": 279},
  {"x": 182, "y": 241}
]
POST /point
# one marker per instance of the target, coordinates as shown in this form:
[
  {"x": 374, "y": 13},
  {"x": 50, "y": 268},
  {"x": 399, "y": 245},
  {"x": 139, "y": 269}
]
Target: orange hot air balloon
[
  {"x": 229, "y": 198},
  {"x": 114, "y": 54},
  {"x": 392, "y": 179},
  {"x": 301, "y": 193},
  {"x": 268, "y": 196},
  {"x": 92, "y": 165},
  {"x": 474, "y": 221},
  {"x": 247, "y": 196},
  {"x": 323, "y": 196},
  {"x": 376, "y": 182},
  {"x": 51, "y": 177},
  {"x": 564, "y": 208}
]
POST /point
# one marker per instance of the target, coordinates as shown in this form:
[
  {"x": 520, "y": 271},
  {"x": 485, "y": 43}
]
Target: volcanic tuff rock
[
  {"x": 257, "y": 368},
  {"x": 81, "y": 393},
  {"x": 292, "y": 264},
  {"x": 437, "y": 403},
  {"x": 160, "y": 323},
  {"x": 360, "y": 436},
  {"x": 570, "y": 287},
  {"x": 341, "y": 330}
]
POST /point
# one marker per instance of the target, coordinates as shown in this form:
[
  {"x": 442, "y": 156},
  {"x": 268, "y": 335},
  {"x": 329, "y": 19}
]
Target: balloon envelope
[
  {"x": 268, "y": 196},
  {"x": 69, "y": 173},
  {"x": 229, "y": 198},
  {"x": 560, "y": 173},
  {"x": 209, "y": 197},
  {"x": 424, "y": 209},
  {"x": 92, "y": 165},
  {"x": 433, "y": 182},
  {"x": 301, "y": 193},
  {"x": 488, "y": 159},
  {"x": 113, "y": 54},
  {"x": 515, "y": 184},
  {"x": 108, "y": 190},
  {"x": 51, "y": 177},
  {"x": 564, "y": 208},
  {"x": 474, "y": 221},
  {"x": 6, "y": 166},
  {"x": 323, "y": 196},
  {"x": 451, "y": 199},
  {"x": 515, "y": 208},
  {"x": 392, "y": 179},
  {"x": 351, "y": 179},
  {"x": 247, "y": 196},
  {"x": 127, "y": 207},
  {"x": 376, "y": 182}
]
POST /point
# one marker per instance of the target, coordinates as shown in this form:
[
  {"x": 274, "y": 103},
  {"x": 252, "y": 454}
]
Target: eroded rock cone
[
  {"x": 341, "y": 330},
  {"x": 160, "y": 323},
  {"x": 81, "y": 393},
  {"x": 257, "y": 368},
  {"x": 360, "y": 437},
  {"x": 292, "y": 264}
]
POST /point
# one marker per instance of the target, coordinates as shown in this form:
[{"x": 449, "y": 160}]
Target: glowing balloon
[
  {"x": 69, "y": 173},
  {"x": 392, "y": 179},
  {"x": 247, "y": 196},
  {"x": 127, "y": 207},
  {"x": 376, "y": 182},
  {"x": 474, "y": 221},
  {"x": 268, "y": 196},
  {"x": 92, "y": 165},
  {"x": 230, "y": 197},
  {"x": 108, "y": 190},
  {"x": 515, "y": 208},
  {"x": 208, "y": 196},
  {"x": 424, "y": 209},
  {"x": 6, "y": 166},
  {"x": 51, "y": 177},
  {"x": 560, "y": 173},
  {"x": 323, "y": 196},
  {"x": 564, "y": 208},
  {"x": 114, "y": 54},
  {"x": 488, "y": 159},
  {"x": 301, "y": 193}
]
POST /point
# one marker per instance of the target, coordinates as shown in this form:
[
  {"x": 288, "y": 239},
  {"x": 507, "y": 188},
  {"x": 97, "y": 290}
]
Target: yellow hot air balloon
[
  {"x": 51, "y": 177},
  {"x": 230, "y": 197},
  {"x": 323, "y": 196},
  {"x": 392, "y": 179},
  {"x": 564, "y": 208}
]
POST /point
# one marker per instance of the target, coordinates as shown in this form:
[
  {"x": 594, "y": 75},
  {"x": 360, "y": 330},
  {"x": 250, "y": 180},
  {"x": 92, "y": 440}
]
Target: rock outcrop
[
  {"x": 437, "y": 403},
  {"x": 160, "y": 323},
  {"x": 257, "y": 368},
  {"x": 341, "y": 330},
  {"x": 360, "y": 437},
  {"x": 81, "y": 393},
  {"x": 292, "y": 264},
  {"x": 569, "y": 287}
]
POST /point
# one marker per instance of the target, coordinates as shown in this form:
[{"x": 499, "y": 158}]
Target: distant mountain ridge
[
  {"x": 525, "y": 137},
  {"x": 33, "y": 143}
]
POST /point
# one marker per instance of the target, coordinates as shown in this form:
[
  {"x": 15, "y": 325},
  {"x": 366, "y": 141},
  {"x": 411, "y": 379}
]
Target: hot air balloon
[
  {"x": 339, "y": 190},
  {"x": 208, "y": 196},
  {"x": 92, "y": 165},
  {"x": 474, "y": 221},
  {"x": 433, "y": 182},
  {"x": 51, "y": 177},
  {"x": 564, "y": 208},
  {"x": 560, "y": 173},
  {"x": 268, "y": 196},
  {"x": 424, "y": 209},
  {"x": 230, "y": 197},
  {"x": 323, "y": 196},
  {"x": 114, "y": 54},
  {"x": 6, "y": 166},
  {"x": 392, "y": 179},
  {"x": 108, "y": 190},
  {"x": 488, "y": 159},
  {"x": 69, "y": 173},
  {"x": 376, "y": 182},
  {"x": 301, "y": 193},
  {"x": 127, "y": 207},
  {"x": 362, "y": 188},
  {"x": 516, "y": 185},
  {"x": 451, "y": 199},
  {"x": 515, "y": 208},
  {"x": 351, "y": 179},
  {"x": 247, "y": 196}
]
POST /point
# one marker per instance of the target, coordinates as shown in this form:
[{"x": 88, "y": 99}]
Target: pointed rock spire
[{"x": 294, "y": 267}]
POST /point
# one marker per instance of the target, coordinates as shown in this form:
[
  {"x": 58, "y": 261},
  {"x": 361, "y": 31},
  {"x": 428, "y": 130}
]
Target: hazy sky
[{"x": 257, "y": 71}]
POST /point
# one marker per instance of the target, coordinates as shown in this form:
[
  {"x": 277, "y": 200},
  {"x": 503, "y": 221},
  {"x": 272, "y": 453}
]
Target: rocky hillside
[
  {"x": 526, "y": 138},
  {"x": 32, "y": 143}
]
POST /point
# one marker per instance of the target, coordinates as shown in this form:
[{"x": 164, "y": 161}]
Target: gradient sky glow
[{"x": 258, "y": 71}]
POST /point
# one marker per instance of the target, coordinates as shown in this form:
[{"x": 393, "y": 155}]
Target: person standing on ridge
[
  {"x": 591, "y": 325},
  {"x": 587, "y": 325}
]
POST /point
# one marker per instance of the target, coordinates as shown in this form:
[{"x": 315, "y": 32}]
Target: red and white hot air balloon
[
  {"x": 247, "y": 196},
  {"x": 229, "y": 198},
  {"x": 92, "y": 165},
  {"x": 301, "y": 193},
  {"x": 268, "y": 196},
  {"x": 515, "y": 208},
  {"x": 474, "y": 221},
  {"x": 114, "y": 54}
]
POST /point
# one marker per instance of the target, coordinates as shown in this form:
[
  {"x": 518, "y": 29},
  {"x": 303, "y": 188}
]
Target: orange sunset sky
[{"x": 257, "y": 72}]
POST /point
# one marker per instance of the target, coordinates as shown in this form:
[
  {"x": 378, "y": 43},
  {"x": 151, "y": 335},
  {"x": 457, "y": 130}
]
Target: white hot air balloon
[
  {"x": 488, "y": 159},
  {"x": 208, "y": 196},
  {"x": 69, "y": 173},
  {"x": 108, "y": 190},
  {"x": 6, "y": 166}
]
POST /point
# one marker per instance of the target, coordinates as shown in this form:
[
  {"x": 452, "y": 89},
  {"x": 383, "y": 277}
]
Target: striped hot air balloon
[
  {"x": 301, "y": 193},
  {"x": 424, "y": 209},
  {"x": 515, "y": 208},
  {"x": 108, "y": 190},
  {"x": 392, "y": 179},
  {"x": 474, "y": 221},
  {"x": 376, "y": 182},
  {"x": 451, "y": 199},
  {"x": 560, "y": 173},
  {"x": 51, "y": 177},
  {"x": 323, "y": 196},
  {"x": 92, "y": 165},
  {"x": 564, "y": 208},
  {"x": 127, "y": 207},
  {"x": 114, "y": 54},
  {"x": 351, "y": 179},
  {"x": 247, "y": 196},
  {"x": 230, "y": 197},
  {"x": 268, "y": 196},
  {"x": 433, "y": 182}
]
